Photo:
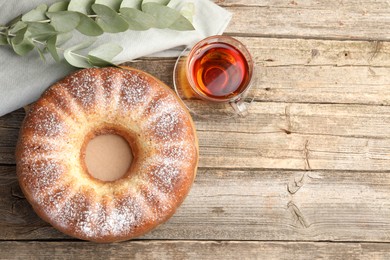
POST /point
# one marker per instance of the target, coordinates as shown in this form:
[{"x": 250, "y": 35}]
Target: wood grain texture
[
  {"x": 194, "y": 250},
  {"x": 287, "y": 136},
  {"x": 299, "y": 136},
  {"x": 356, "y": 19},
  {"x": 310, "y": 71},
  {"x": 310, "y": 163},
  {"x": 247, "y": 205}
]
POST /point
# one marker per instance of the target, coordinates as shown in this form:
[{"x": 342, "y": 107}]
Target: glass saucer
[{"x": 198, "y": 107}]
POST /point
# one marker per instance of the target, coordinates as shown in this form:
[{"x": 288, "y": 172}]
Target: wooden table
[{"x": 305, "y": 175}]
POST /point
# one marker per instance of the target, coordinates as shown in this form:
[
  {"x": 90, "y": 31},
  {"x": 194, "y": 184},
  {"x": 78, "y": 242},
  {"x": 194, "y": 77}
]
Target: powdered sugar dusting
[
  {"x": 121, "y": 217},
  {"x": 135, "y": 91},
  {"x": 111, "y": 87},
  {"x": 83, "y": 85},
  {"x": 162, "y": 103},
  {"x": 45, "y": 122},
  {"x": 72, "y": 210},
  {"x": 168, "y": 126},
  {"x": 177, "y": 153},
  {"x": 159, "y": 201},
  {"x": 126, "y": 215},
  {"x": 43, "y": 174},
  {"x": 166, "y": 175},
  {"x": 109, "y": 93}
]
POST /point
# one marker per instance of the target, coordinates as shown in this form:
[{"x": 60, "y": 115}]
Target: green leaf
[
  {"x": 81, "y": 6},
  {"x": 39, "y": 28},
  {"x": 63, "y": 38},
  {"x": 19, "y": 36},
  {"x": 59, "y": 6},
  {"x": 51, "y": 47},
  {"x": 41, "y": 31},
  {"x": 37, "y": 14},
  {"x": 188, "y": 11},
  {"x": 113, "y": 4},
  {"x": 136, "y": 4},
  {"x": 165, "y": 16},
  {"x": 17, "y": 26},
  {"x": 64, "y": 21},
  {"x": 106, "y": 51},
  {"x": 88, "y": 26},
  {"x": 75, "y": 59},
  {"x": 24, "y": 47},
  {"x": 97, "y": 62},
  {"x": 109, "y": 20},
  {"x": 160, "y": 2},
  {"x": 182, "y": 24},
  {"x": 41, "y": 55},
  {"x": 3, "y": 40},
  {"x": 137, "y": 19}
]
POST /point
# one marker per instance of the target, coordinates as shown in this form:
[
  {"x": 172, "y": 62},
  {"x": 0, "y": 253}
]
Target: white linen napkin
[{"x": 23, "y": 79}]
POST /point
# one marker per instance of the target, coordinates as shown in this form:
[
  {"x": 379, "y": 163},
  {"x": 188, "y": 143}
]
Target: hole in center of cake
[{"x": 108, "y": 157}]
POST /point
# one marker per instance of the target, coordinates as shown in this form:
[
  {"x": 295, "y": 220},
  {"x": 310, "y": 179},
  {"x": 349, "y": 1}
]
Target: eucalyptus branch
[{"x": 46, "y": 27}]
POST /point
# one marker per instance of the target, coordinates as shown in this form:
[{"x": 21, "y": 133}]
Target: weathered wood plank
[
  {"x": 311, "y": 71},
  {"x": 299, "y": 136},
  {"x": 287, "y": 136},
  {"x": 247, "y": 205},
  {"x": 9, "y": 132},
  {"x": 323, "y": 19},
  {"x": 296, "y": 70},
  {"x": 194, "y": 250}
]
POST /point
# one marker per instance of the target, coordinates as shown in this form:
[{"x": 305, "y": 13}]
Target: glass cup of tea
[{"x": 220, "y": 69}]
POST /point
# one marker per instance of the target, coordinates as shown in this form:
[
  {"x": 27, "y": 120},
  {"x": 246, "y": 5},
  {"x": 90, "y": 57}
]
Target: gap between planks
[{"x": 195, "y": 250}]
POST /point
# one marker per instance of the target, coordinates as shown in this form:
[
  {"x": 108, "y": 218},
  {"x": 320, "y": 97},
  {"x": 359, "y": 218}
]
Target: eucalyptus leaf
[
  {"x": 59, "y": 6},
  {"x": 137, "y": 19},
  {"x": 75, "y": 59},
  {"x": 41, "y": 31},
  {"x": 188, "y": 11},
  {"x": 109, "y": 20},
  {"x": 3, "y": 40},
  {"x": 17, "y": 26},
  {"x": 97, "y": 62},
  {"x": 42, "y": 37},
  {"x": 41, "y": 55},
  {"x": 106, "y": 51},
  {"x": 19, "y": 36},
  {"x": 48, "y": 28},
  {"x": 64, "y": 21},
  {"x": 88, "y": 26},
  {"x": 165, "y": 16},
  {"x": 40, "y": 28},
  {"x": 51, "y": 47},
  {"x": 113, "y": 4},
  {"x": 24, "y": 47},
  {"x": 81, "y": 6},
  {"x": 37, "y": 14},
  {"x": 160, "y": 2},
  {"x": 63, "y": 38},
  {"x": 136, "y": 4},
  {"x": 182, "y": 24}
]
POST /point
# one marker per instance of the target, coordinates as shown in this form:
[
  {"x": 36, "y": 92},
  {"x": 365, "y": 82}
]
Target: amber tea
[{"x": 219, "y": 70}]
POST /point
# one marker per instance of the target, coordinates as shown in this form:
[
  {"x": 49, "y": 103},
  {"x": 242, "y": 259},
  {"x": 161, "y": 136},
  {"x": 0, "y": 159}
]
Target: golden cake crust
[{"x": 51, "y": 150}]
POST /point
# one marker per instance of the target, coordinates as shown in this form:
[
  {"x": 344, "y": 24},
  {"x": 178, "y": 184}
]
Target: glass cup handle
[{"x": 240, "y": 107}]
